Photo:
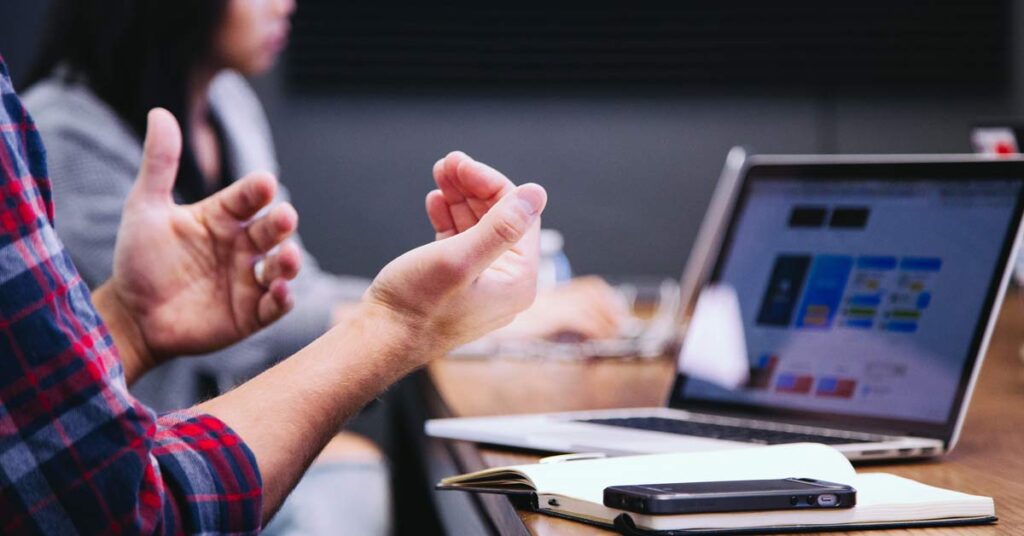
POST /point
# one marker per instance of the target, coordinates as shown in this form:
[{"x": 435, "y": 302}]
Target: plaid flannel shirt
[{"x": 78, "y": 454}]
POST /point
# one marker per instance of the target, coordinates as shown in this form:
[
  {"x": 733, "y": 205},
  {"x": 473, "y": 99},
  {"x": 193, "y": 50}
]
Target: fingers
[
  {"x": 234, "y": 206},
  {"x": 594, "y": 325},
  {"x": 577, "y": 310},
  {"x": 244, "y": 198},
  {"x": 445, "y": 176},
  {"x": 598, "y": 297},
  {"x": 442, "y": 177},
  {"x": 270, "y": 230},
  {"x": 583, "y": 325},
  {"x": 585, "y": 306},
  {"x": 278, "y": 269},
  {"x": 478, "y": 181},
  {"x": 284, "y": 264},
  {"x": 482, "y": 186},
  {"x": 439, "y": 215},
  {"x": 469, "y": 187},
  {"x": 470, "y": 179},
  {"x": 446, "y": 171},
  {"x": 501, "y": 228},
  {"x": 160, "y": 155},
  {"x": 274, "y": 303}
]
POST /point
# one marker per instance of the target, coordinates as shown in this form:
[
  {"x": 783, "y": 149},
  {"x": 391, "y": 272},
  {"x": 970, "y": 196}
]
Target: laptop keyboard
[{"x": 720, "y": 431}]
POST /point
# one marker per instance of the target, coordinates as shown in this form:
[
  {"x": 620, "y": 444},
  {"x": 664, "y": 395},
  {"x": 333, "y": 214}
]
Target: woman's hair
[{"x": 135, "y": 55}]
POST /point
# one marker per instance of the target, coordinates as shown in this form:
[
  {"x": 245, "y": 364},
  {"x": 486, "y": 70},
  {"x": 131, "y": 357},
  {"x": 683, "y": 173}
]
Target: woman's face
[{"x": 253, "y": 34}]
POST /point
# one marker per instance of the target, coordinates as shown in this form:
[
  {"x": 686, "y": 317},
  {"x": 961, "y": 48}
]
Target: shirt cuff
[{"x": 212, "y": 476}]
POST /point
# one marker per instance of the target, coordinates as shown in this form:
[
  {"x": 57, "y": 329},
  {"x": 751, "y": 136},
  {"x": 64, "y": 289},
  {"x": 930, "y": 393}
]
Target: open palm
[{"x": 185, "y": 272}]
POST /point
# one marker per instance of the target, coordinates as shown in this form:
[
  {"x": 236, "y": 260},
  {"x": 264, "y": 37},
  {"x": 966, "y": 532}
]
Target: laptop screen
[{"x": 863, "y": 297}]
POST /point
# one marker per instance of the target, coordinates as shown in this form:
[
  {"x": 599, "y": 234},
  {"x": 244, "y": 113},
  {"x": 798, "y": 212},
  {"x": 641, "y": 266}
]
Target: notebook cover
[{"x": 624, "y": 525}]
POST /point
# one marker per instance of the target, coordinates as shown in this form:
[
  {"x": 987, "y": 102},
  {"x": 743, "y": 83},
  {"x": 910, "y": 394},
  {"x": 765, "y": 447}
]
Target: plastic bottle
[{"x": 554, "y": 266}]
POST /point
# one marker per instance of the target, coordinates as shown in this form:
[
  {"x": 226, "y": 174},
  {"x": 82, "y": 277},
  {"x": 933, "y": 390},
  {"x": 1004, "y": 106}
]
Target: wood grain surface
[{"x": 989, "y": 459}]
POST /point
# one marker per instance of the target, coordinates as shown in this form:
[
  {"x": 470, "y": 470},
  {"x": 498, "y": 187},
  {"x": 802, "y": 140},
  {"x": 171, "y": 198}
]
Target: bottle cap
[{"x": 551, "y": 242}]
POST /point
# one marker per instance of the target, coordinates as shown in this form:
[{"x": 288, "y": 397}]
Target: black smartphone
[{"x": 730, "y": 496}]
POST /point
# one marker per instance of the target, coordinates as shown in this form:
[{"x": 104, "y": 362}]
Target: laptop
[{"x": 868, "y": 288}]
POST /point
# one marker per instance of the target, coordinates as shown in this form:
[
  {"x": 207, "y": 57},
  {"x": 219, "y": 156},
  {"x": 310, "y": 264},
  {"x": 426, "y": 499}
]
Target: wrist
[
  {"x": 136, "y": 358},
  {"x": 405, "y": 334}
]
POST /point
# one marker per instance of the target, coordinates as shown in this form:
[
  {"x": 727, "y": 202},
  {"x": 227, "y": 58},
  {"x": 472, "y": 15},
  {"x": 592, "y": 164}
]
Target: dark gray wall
[{"x": 629, "y": 175}]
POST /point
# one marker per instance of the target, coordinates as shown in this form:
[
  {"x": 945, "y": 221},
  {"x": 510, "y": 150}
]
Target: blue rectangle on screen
[
  {"x": 860, "y": 324},
  {"x": 924, "y": 300},
  {"x": 786, "y": 381},
  {"x": 921, "y": 264},
  {"x": 902, "y": 327},
  {"x": 865, "y": 300},
  {"x": 876, "y": 263},
  {"x": 825, "y": 287},
  {"x": 827, "y": 385}
]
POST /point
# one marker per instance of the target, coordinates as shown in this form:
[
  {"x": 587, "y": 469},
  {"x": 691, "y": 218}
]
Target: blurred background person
[{"x": 101, "y": 66}]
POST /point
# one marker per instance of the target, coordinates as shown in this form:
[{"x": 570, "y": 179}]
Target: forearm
[
  {"x": 131, "y": 345},
  {"x": 288, "y": 413}
]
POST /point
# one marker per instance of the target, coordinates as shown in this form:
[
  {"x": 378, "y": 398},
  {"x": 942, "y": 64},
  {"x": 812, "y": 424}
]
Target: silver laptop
[{"x": 868, "y": 290}]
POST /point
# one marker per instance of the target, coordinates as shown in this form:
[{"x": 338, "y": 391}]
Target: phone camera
[{"x": 827, "y": 500}]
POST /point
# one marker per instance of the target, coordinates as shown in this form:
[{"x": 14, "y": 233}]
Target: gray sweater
[{"x": 93, "y": 159}]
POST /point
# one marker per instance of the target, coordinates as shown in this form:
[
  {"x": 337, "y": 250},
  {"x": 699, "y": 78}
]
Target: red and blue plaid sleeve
[{"x": 78, "y": 454}]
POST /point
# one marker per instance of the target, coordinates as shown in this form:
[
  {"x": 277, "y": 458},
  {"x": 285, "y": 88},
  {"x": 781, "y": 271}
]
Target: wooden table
[{"x": 989, "y": 459}]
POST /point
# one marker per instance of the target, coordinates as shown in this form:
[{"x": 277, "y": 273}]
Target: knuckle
[
  {"x": 509, "y": 230},
  {"x": 159, "y": 160}
]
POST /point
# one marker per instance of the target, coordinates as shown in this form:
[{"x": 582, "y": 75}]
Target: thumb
[
  {"x": 160, "y": 154},
  {"x": 504, "y": 225}
]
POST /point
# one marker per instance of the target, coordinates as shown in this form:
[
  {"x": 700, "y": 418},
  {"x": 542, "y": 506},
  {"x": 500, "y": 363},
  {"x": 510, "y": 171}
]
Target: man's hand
[
  {"x": 583, "y": 308},
  {"x": 183, "y": 279},
  {"x": 481, "y": 271}
]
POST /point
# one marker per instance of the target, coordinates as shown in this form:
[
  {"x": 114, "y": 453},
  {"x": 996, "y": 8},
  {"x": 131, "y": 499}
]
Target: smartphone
[{"x": 730, "y": 496}]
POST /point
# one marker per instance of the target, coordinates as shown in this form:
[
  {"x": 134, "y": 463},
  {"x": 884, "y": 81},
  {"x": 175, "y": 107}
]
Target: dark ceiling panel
[{"x": 939, "y": 44}]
